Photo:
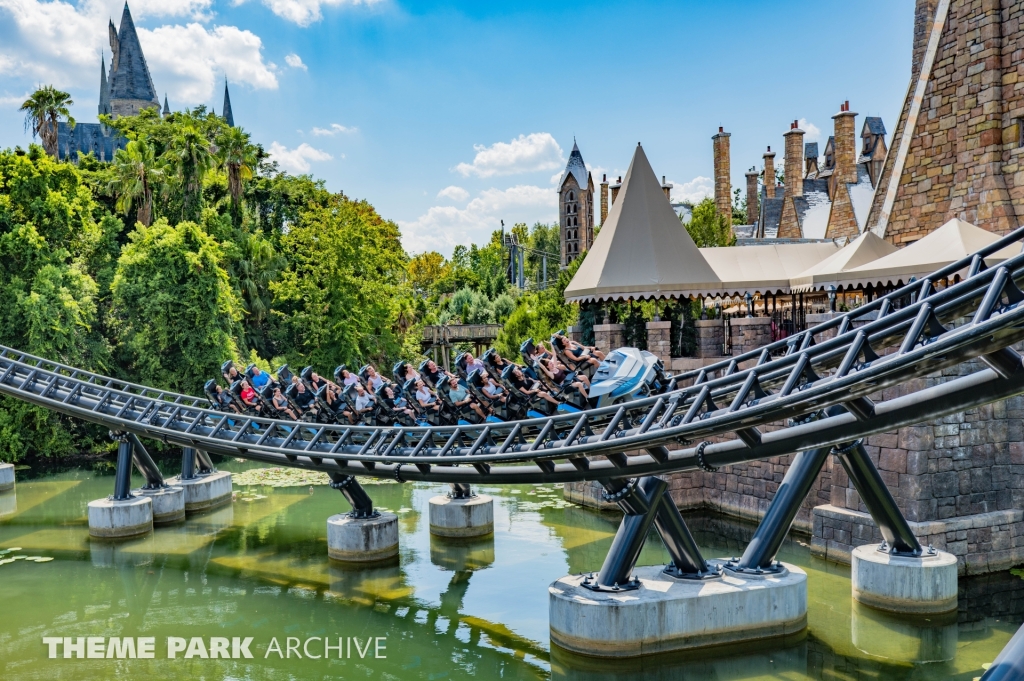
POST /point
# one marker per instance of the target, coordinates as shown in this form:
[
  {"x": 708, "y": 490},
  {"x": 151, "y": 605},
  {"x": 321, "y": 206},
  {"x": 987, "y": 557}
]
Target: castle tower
[
  {"x": 131, "y": 87},
  {"x": 575, "y": 208},
  {"x": 226, "y": 109},
  {"x": 167, "y": 109}
]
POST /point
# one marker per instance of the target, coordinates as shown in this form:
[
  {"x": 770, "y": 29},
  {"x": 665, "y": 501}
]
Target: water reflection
[{"x": 449, "y": 608}]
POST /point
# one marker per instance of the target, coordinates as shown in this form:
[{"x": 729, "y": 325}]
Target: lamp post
[
  {"x": 750, "y": 304},
  {"x": 832, "y": 297}
]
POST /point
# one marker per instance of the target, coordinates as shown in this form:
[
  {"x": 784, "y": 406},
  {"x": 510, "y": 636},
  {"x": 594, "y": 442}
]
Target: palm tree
[
  {"x": 189, "y": 151},
  {"x": 43, "y": 111},
  {"x": 239, "y": 157},
  {"x": 137, "y": 175}
]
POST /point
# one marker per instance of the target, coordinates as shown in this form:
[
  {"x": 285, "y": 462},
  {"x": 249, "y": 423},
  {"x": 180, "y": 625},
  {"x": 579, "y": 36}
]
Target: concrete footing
[
  {"x": 8, "y": 505},
  {"x": 168, "y": 503},
  {"x": 473, "y": 517},
  {"x": 906, "y": 585},
  {"x": 903, "y": 639},
  {"x": 6, "y": 477},
  {"x": 205, "y": 492},
  {"x": 369, "y": 540},
  {"x": 109, "y": 519},
  {"x": 667, "y": 614}
]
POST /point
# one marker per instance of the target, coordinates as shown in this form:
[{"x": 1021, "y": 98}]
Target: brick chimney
[
  {"x": 769, "y": 174},
  {"x": 924, "y": 17},
  {"x": 846, "y": 146},
  {"x": 667, "y": 188},
  {"x": 794, "y": 161},
  {"x": 723, "y": 183},
  {"x": 752, "y": 200},
  {"x": 604, "y": 198},
  {"x": 615, "y": 189}
]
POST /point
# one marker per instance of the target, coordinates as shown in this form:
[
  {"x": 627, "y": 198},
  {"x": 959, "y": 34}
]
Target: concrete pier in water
[
  {"x": 667, "y": 614},
  {"x": 6, "y": 477},
  {"x": 168, "y": 503},
  {"x": 922, "y": 585},
  {"x": 204, "y": 492},
  {"x": 110, "y": 519},
  {"x": 472, "y": 517},
  {"x": 362, "y": 540}
]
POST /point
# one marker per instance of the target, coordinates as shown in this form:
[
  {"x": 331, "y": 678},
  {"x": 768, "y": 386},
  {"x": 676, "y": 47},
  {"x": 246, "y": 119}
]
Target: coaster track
[{"x": 896, "y": 338}]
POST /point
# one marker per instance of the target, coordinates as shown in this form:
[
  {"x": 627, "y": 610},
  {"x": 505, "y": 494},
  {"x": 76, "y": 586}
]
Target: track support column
[
  {"x": 168, "y": 501},
  {"x": 898, "y": 575},
  {"x": 205, "y": 487},
  {"x": 461, "y": 513},
  {"x": 364, "y": 535},
  {"x": 121, "y": 514}
]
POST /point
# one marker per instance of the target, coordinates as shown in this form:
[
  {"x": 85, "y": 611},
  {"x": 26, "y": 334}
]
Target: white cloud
[
  {"x": 693, "y": 191},
  {"x": 333, "y": 130},
  {"x": 524, "y": 154},
  {"x": 297, "y": 160},
  {"x": 190, "y": 60},
  {"x": 441, "y": 228},
  {"x": 454, "y": 193},
  {"x": 812, "y": 133},
  {"x": 306, "y": 12},
  {"x": 60, "y": 43},
  {"x": 295, "y": 61}
]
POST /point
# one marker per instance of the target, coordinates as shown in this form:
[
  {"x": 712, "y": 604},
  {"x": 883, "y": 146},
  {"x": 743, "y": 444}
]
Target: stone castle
[{"x": 125, "y": 90}]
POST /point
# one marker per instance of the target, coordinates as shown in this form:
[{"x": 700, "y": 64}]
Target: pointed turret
[
  {"x": 167, "y": 109},
  {"x": 131, "y": 87},
  {"x": 104, "y": 88},
  {"x": 577, "y": 168},
  {"x": 226, "y": 109}
]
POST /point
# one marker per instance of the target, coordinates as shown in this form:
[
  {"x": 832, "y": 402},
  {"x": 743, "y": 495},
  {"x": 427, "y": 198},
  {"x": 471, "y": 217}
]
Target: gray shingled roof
[
  {"x": 575, "y": 167},
  {"x": 811, "y": 150},
  {"x": 129, "y": 74},
  {"x": 874, "y": 125},
  {"x": 771, "y": 211}
]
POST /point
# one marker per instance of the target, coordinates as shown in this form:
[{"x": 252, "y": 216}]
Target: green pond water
[{"x": 258, "y": 568}]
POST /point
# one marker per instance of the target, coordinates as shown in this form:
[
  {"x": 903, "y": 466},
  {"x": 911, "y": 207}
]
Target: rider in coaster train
[
  {"x": 281, "y": 404},
  {"x": 425, "y": 397},
  {"x": 248, "y": 395},
  {"x": 373, "y": 379},
  {"x": 259, "y": 379},
  {"x": 461, "y": 398},
  {"x": 364, "y": 402},
  {"x": 347, "y": 378},
  {"x": 303, "y": 397},
  {"x": 558, "y": 373},
  {"x": 397, "y": 404},
  {"x": 432, "y": 373},
  {"x": 530, "y": 387}
]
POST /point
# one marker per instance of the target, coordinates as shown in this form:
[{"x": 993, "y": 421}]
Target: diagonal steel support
[
  {"x": 461, "y": 490},
  {"x": 646, "y": 502},
  {"x": 144, "y": 462},
  {"x": 362, "y": 505}
]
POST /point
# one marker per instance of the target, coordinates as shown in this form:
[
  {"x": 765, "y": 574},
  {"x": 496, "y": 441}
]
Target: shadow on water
[{"x": 447, "y": 609}]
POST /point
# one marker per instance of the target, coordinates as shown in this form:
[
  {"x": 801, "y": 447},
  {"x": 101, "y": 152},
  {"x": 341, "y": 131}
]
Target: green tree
[
  {"x": 137, "y": 176},
  {"x": 238, "y": 157},
  {"x": 174, "y": 313},
  {"x": 44, "y": 109},
  {"x": 336, "y": 299},
  {"x": 707, "y": 228},
  {"x": 190, "y": 156}
]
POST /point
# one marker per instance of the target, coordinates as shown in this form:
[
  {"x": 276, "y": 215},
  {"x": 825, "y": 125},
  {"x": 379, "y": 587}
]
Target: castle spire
[
  {"x": 104, "y": 87},
  {"x": 131, "y": 87},
  {"x": 226, "y": 109},
  {"x": 167, "y": 109}
]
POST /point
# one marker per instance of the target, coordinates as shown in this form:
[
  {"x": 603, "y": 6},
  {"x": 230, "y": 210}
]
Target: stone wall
[
  {"x": 659, "y": 341},
  {"x": 749, "y": 333},
  {"x": 964, "y": 154},
  {"x": 710, "y": 337}
]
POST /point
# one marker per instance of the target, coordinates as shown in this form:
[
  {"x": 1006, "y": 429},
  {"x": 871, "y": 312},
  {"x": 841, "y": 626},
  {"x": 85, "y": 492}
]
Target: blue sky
[{"x": 451, "y": 116}]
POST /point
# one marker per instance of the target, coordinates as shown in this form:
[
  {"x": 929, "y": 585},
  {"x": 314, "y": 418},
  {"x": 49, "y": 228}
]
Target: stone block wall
[
  {"x": 659, "y": 341},
  {"x": 609, "y": 336},
  {"x": 965, "y": 151},
  {"x": 749, "y": 333},
  {"x": 710, "y": 337}
]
